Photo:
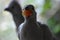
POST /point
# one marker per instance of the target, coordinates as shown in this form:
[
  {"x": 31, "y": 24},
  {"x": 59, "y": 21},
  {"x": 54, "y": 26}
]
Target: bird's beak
[
  {"x": 6, "y": 9},
  {"x": 27, "y": 13}
]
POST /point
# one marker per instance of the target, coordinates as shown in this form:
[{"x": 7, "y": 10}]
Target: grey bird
[
  {"x": 30, "y": 29},
  {"x": 15, "y": 9}
]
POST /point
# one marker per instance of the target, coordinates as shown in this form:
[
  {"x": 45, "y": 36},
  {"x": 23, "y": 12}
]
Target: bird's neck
[
  {"x": 18, "y": 19},
  {"x": 30, "y": 20}
]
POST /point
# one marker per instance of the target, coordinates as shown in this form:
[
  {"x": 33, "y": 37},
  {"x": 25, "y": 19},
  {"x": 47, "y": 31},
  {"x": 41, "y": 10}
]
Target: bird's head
[
  {"x": 14, "y": 8},
  {"x": 28, "y": 11}
]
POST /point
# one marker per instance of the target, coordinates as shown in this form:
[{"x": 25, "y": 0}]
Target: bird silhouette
[
  {"x": 16, "y": 11},
  {"x": 30, "y": 29}
]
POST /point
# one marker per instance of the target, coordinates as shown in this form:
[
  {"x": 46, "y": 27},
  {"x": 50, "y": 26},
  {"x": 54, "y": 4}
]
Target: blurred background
[{"x": 48, "y": 12}]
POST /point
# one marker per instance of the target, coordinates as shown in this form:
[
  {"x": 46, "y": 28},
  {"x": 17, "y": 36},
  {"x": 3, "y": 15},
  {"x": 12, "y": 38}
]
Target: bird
[
  {"x": 30, "y": 29},
  {"x": 15, "y": 9}
]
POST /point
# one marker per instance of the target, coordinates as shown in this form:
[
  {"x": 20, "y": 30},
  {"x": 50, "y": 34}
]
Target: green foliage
[
  {"x": 47, "y": 6},
  {"x": 51, "y": 22},
  {"x": 54, "y": 25},
  {"x": 57, "y": 29}
]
